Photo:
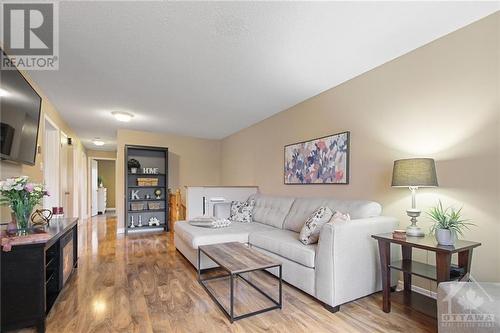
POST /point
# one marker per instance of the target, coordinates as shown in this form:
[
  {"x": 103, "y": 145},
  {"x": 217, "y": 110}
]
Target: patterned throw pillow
[
  {"x": 310, "y": 231},
  {"x": 241, "y": 211}
]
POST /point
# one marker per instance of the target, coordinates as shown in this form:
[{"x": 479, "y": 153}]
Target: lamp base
[{"x": 412, "y": 229}]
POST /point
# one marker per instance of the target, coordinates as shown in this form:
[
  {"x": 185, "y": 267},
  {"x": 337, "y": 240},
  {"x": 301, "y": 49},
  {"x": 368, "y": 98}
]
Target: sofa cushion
[
  {"x": 302, "y": 208},
  {"x": 236, "y": 232},
  {"x": 284, "y": 243},
  {"x": 309, "y": 234},
  {"x": 271, "y": 210},
  {"x": 241, "y": 211}
]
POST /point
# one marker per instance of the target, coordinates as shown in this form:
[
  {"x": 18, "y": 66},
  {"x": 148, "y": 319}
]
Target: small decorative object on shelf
[
  {"x": 41, "y": 217},
  {"x": 158, "y": 193},
  {"x": 134, "y": 195},
  {"x": 132, "y": 222},
  {"x": 140, "y": 221},
  {"x": 448, "y": 223},
  {"x": 152, "y": 171},
  {"x": 133, "y": 165},
  {"x": 399, "y": 234},
  {"x": 154, "y": 205},
  {"x": 154, "y": 221},
  {"x": 57, "y": 212},
  {"x": 147, "y": 197},
  {"x": 137, "y": 206},
  {"x": 21, "y": 196},
  {"x": 147, "y": 181}
]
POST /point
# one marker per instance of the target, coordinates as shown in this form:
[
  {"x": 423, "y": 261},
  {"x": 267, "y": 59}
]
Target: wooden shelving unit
[{"x": 148, "y": 157}]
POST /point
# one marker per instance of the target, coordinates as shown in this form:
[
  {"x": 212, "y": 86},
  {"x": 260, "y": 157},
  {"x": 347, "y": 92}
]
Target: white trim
[
  {"x": 55, "y": 174},
  {"x": 113, "y": 209},
  {"x": 418, "y": 289},
  {"x": 52, "y": 123},
  {"x": 89, "y": 180},
  {"x": 120, "y": 230}
]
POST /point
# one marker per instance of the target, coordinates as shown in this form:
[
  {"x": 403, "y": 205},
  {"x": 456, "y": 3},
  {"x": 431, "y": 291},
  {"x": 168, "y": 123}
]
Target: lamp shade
[{"x": 417, "y": 172}]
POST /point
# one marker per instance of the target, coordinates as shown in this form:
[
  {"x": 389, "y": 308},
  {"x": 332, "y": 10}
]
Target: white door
[
  {"x": 83, "y": 186},
  {"x": 51, "y": 164},
  {"x": 66, "y": 173},
  {"x": 93, "y": 186}
]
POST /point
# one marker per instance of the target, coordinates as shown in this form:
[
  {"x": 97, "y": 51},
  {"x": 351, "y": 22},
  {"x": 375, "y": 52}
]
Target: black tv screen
[{"x": 19, "y": 117}]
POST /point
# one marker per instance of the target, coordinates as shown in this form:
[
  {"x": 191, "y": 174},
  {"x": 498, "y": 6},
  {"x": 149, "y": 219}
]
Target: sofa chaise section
[{"x": 344, "y": 264}]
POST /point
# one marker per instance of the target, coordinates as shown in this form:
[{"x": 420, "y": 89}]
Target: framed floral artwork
[{"x": 319, "y": 161}]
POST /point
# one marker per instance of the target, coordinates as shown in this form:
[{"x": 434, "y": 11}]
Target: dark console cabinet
[{"x": 33, "y": 275}]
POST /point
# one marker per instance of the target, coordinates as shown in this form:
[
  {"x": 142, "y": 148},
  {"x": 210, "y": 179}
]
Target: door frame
[
  {"x": 57, "y": 153},
  {"x": 89, "y": 179}
]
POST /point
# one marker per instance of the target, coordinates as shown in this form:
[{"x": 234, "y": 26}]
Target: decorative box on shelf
[
  {"x": 137, "y": 206},
  {"x": 154, "y": 205},
  {"x": 147, "y": 181}
]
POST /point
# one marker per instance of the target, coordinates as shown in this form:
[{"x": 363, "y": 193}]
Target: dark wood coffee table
[{"x": 237, "y": 258}]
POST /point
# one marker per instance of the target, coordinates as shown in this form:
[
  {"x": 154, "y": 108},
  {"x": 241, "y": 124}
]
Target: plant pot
[
  {"x": 133, "y": 170},
  {"x": 445, "y": 237}
]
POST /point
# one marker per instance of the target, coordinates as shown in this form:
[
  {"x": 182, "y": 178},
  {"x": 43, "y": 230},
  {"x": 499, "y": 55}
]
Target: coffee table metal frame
[{"x": 232, "y": 276}]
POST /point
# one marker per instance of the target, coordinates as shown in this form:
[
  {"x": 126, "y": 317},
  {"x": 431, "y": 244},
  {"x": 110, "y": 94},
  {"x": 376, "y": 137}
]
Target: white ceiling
[{"x": 209, "y": 69}]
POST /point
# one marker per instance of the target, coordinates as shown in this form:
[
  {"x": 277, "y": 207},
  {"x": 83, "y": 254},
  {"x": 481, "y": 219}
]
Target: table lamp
[{"x": 414, "y": 173}]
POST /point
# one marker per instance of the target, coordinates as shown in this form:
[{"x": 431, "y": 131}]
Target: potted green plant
[
  {"x": 133, "y": 165},
  {"x": 448, "y": 223}
]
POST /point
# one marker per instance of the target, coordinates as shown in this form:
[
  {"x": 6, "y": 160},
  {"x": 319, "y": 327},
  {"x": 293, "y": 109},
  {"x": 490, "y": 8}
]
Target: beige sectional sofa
[{"x": 341, "y": 267}]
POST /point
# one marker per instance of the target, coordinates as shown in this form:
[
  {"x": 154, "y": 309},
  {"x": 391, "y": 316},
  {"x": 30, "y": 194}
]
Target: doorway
[{"x": 102, "y": 186}]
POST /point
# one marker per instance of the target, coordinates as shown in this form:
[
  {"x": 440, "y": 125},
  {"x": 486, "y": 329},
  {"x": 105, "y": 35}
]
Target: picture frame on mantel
[{"x": 320, "y": 161}]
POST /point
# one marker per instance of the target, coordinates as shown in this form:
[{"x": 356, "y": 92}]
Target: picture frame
[{"x": 319, "y": 161}]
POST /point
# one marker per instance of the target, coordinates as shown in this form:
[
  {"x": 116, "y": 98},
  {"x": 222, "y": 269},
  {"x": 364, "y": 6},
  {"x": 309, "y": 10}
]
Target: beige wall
[
  {"x": 107, "y": 171},
  {"x": 8, "y": 169},
  {"x": 440, "y": 101},
  {"x": 97, "y": 154},
  {"x": 192, "y": 161}
]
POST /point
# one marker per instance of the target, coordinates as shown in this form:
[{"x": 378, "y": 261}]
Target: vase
[
  {"x": 23, "y": 220},
  {"x": 133, "y": 170},
  {"x": 445, "y": 237}
]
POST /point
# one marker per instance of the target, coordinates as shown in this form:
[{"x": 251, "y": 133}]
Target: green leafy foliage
[{"x": 448, "y": 218}]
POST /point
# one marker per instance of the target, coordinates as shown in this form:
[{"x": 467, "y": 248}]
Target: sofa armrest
[{"x": 347, "y": 259}]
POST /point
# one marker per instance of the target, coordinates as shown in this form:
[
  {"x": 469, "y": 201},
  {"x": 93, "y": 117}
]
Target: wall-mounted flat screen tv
[{"x": 19, "y": 117}]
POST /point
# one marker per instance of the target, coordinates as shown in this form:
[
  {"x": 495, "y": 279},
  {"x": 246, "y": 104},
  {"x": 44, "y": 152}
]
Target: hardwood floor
[{"x": 140, "y": 283}]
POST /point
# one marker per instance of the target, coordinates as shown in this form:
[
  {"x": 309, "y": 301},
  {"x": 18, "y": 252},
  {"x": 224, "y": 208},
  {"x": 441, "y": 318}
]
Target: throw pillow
[
  {"x": 241, "y": 211},
  {"x": 310, "y": 231},
  {"x": 341, "y": 217}
]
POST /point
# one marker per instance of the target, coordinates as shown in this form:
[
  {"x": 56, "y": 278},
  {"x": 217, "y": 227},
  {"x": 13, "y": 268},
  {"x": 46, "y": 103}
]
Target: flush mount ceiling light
[
  {"x": 122, "y": 116},
  {"x": 3, "y": 92},
  {"x": 98, "y": 142}
]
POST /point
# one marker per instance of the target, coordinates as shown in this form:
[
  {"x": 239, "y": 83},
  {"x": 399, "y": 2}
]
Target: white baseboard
[{"x": 418, "y": 289}]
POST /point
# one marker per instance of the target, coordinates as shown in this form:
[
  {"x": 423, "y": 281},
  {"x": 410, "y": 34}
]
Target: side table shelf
[{"x": 442, "y": 271}]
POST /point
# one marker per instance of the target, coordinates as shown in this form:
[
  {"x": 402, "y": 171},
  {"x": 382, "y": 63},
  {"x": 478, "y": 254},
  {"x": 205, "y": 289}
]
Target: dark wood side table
[{"x": 439, "y": 273}]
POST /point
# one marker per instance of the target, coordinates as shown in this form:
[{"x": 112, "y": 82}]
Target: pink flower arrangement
[{"x": 21, "y": 196}]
